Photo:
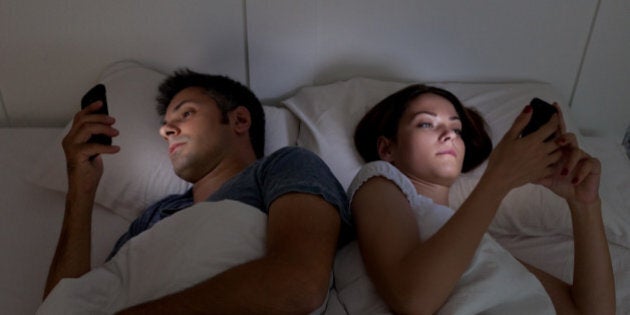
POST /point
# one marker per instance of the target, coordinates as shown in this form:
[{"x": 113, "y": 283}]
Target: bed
[
  {"x": 315, "y": 78},
  {"x": 531, "y": 222}
]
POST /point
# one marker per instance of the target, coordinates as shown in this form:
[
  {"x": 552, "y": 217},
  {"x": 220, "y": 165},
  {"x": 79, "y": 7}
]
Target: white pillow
[
  {"x": 281, "y": 128},
  {"x": 141, "y": 173},
  {"x": 328, "y": 115}
]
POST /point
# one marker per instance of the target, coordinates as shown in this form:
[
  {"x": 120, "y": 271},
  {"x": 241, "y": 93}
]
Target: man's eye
[{"x": 187, "y": 114}]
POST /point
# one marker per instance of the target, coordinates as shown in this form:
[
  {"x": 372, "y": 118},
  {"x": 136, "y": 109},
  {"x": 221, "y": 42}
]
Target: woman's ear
[
  {"x": 385, "y": 147},
  {"x": 240, "y": 119}
]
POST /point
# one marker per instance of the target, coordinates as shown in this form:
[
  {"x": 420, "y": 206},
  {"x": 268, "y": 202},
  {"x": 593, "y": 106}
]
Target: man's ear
[
  {"x": 385, "y": 148},
  {"x": 240, "y": 119}
]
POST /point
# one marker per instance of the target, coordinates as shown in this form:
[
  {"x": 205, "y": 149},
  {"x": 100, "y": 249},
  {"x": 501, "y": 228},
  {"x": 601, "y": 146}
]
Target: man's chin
[{"x": 182, "y": 172}]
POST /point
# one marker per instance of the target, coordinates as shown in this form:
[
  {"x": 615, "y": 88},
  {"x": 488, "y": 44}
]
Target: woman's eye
[
  {"x": 187, "y": 114},
  {"x": 458, "y": 131},
  {"x": 425, "y": 125}
]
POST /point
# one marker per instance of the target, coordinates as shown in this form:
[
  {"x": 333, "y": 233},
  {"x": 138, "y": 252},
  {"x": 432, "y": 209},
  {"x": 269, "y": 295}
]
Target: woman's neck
[{"x": 437, "y": 192}]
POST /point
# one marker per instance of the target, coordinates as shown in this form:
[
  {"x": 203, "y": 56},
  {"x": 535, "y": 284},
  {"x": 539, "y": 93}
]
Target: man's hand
[{"x": 84, "y": 165}]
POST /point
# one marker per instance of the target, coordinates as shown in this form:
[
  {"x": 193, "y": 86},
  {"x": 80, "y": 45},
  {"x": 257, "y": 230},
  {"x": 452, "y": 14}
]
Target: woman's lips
[{"x": 448, "y": 152}]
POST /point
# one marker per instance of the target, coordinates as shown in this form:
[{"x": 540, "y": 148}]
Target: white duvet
[
  {"x": 494, "y": 283},
  {"x": 187, "y": 248}
]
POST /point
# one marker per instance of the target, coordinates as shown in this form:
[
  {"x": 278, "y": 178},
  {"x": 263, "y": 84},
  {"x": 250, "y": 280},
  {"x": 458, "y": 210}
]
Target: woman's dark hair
[
  {"x": 226, "y": 92},
  {"x": 384, "y": 117}
]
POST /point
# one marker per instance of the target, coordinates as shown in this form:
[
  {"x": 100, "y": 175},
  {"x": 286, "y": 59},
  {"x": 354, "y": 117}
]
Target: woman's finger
[
  {"x": 519, "y": 123},
  {"x": 585, "y": 166},
  {"x": 563, "y": 126}
]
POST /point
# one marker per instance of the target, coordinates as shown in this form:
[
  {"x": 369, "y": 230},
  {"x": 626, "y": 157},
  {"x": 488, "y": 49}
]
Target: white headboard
[
  {"x": 602, "y": 95},
  {"x": 484, "y": 40},
  {"x": 53, "y": 51}
]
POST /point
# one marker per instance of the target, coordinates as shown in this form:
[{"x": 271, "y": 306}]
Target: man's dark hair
[
  {"x": 226, "y": 92},
  {"x": 384, "y": 117}
]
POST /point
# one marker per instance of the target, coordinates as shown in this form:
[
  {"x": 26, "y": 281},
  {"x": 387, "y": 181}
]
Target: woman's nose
[{"x": 447, "y": 134}]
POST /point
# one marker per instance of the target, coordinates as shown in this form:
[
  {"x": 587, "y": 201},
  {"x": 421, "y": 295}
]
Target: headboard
[
  {"x": 416, "y": 40},
  {"x": 53, "y": 51}
]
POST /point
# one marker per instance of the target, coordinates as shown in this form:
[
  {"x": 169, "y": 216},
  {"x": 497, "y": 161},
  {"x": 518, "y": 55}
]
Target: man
[{"x": 214, "y": 127}]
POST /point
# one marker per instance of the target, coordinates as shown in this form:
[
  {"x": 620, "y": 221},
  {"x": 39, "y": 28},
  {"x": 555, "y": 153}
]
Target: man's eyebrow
[
  {"x": 176, "y": 108},
  {"x": 180, "y": 104}
]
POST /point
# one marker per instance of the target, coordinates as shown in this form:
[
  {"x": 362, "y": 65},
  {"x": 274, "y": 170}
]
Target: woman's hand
[
  {"x": 577, "y": 175},
  {"x": 518, "y": 160}
]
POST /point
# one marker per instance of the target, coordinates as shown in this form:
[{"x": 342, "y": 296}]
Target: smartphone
[
  {"x": 97, "y": 93},
  {"x": 541, "y": 113}
]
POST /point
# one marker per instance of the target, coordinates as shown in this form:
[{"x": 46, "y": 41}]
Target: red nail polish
[{"x": 527, "y": 109}]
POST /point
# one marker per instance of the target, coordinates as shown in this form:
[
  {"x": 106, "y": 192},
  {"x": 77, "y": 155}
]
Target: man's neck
[{"x": 210, "y": 183}]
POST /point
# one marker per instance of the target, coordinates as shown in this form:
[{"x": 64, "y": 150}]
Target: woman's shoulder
[{"x": 385, "y": 170}]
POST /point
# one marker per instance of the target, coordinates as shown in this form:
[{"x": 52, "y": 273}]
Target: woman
[{"x": 419, "y": 254}]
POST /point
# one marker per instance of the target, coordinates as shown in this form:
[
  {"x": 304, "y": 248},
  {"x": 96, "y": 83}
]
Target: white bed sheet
[{"x": 31, "y": 220}]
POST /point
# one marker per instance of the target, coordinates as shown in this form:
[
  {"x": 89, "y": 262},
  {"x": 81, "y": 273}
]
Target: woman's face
[{"x": 428, "y": 145}]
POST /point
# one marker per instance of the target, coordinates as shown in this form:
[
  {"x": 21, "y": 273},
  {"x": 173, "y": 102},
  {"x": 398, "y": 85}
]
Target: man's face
[{"x": 197, "y": 138}]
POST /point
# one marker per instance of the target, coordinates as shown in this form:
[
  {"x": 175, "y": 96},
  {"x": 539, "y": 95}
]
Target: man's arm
[
  {"x": 72, "y": 256},
  {"x": 292, "y": 278},
  {"x": 85, "y": 167}
]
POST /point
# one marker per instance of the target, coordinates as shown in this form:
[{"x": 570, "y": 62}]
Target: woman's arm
[
  {"x": 593, "y": 288},
  {"x": 413, "y": 276},
  {"x": 577, "y": 180}
]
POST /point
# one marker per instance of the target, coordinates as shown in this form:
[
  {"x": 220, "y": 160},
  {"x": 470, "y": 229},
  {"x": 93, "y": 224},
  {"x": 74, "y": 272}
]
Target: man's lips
[{"x": 174, "y": 147}]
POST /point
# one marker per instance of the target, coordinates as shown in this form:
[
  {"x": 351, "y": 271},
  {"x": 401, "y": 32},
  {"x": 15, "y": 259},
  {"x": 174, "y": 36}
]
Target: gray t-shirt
[{"x": 288, "y": 170}]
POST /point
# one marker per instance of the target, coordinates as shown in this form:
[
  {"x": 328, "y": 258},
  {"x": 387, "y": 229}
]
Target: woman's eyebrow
[
  {"x": 423, "y": 112},
  {"x": 430, "y": 113}
]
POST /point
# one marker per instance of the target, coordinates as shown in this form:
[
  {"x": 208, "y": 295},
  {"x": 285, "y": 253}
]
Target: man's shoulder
[
  {"x": 291, "y": 151},
  {"x": 293, "y": 161},
  {"x": 286, "y": 156}
]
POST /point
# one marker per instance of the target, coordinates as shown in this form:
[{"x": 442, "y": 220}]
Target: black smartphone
[
  {"x": 541, "y": 113},
  {"x": 97, "y": 93}
]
